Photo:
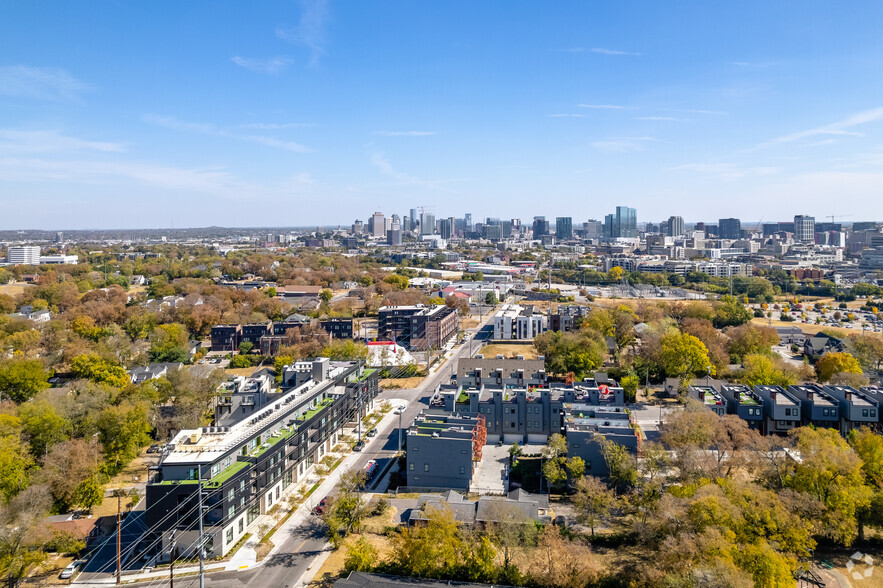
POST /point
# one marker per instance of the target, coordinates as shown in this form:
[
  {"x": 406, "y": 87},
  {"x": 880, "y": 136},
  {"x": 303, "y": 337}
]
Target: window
[
  {"x": 227, "y": 462},
  {"x": 411, "y": 467},
  {"x": 864, "y": 412},
  {"x": 231, "y": 495},
  {"x": 426, "y": 467},
  {"x": 576, "y": 445},
  {"x": 241, "y": 526},
  {"x": 230, "y": 512},
  {"x": 873, "y": 413},
  {"x": 463, "y": 451},
  {"x": 229, "y": 535},
  {"x": 462, "y": 469}
]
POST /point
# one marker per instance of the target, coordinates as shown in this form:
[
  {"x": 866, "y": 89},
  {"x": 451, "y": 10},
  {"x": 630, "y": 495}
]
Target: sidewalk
[{"x": 246, "y": 557}]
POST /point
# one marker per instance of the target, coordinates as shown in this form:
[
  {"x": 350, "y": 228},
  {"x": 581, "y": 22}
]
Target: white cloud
[
  {"x": 277, "y": 126},
  {"x": 310, "y": 30},
  {"x": 727, "y": 172},
  {"x": 566, "y": 115},
  {"x": 623, "y": 144},
  {"x": 836, "y": 128},
  {"x": 405, "y": 133},
  {"x": 696, "y": 111},
  {"x": 381, "y": 162},
  {"x": 669, "y": 118},
  {"x": 602, "y": 106},
  {"x": 269, "y": 66},
  {"x": 603, "y": 51},
  {"x": 44, "y": 83},
  {"x": 174, "y": 124},
  {"x": 19, "y": 142},
  {"x": 208, "y": 179}
]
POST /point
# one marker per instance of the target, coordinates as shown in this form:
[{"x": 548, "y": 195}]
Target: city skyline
[{"x": 216, "y": 113}]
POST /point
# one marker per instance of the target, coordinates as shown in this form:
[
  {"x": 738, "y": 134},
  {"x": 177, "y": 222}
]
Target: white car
[{"x": 71, "y": 569}]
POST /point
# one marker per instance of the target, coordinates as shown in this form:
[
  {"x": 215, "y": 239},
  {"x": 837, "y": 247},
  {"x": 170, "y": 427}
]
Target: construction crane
[{"x": 833, "y": 216}]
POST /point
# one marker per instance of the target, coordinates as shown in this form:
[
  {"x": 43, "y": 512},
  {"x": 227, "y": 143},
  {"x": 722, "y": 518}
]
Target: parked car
[
  {"x": 370, "y": 469},
  {"x": 320, "y": 508},
  {"x": 359, "y": 446},
  {"x": 400, "y": 410},
  {"x": 153, "y": 449},
  {"x": 372, "y": 432},
  {"x": 71, "y": 569}
]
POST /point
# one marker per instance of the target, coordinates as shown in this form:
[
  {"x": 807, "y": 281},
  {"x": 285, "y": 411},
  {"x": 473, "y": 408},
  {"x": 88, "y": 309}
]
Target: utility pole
[
  {"x": 201, "y": 542},
  {"x": 172, "y": 543},
  {"x": 401, "y": 410},
  {"x": 119, "y": 537}
]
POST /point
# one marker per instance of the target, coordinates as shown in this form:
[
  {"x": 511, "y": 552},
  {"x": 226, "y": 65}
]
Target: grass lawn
[
  {"x": 509, "y": 350},
  {"x": 401, "y": 383},
  {"x": 14, "y": 290}
]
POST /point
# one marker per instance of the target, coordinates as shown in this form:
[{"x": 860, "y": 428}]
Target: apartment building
[
  {"x": 745, "y": 403},
  {"x": 710, "y": 398},
  {"x": 781, "y": 409},
  {"x": 443, "y": 450},
  {"x": 480, "y": 371},
  {"x": 23, "y": 255},
  {"x": 246, "y": 467},
  {"x": 514, "y": 322},
  {"x": 418, "y": 326},
  {"x": 858, "y": 408},
  {"x": 239, "y": 397},
  {"x": 818, "y": 407},
  {"x": 566, "y": 318}
]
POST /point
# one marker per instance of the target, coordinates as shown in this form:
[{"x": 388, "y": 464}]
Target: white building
[
  {"x": 514, "y": 322},
  {"x": 24, "y": 255}
]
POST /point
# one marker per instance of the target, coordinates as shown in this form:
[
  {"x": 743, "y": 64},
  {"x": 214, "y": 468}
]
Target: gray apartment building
[
  {"x": 442, "y": 450},
  {"x": 567, "y": 318},
  {"x": 586, "y": 426},
  {"x": 480, "y": 371},
  {"x": 745, "y": 403},
  {"x": 247, "y": 466},
  {"x": 711, "y": 398},
  {"x": 419, "y": 326},
  {"x": 781, "y": 409},
  {"x": 818, "y": 407},
  {"x": 858, "y": 408}
]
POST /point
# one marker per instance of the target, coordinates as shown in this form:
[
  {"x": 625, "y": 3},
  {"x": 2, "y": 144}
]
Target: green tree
[
  {"x": 89, "y": 493},
  {"x": 245, "y": 347},
  {"x": 21, "y": 379},
  {"x": 400, "y": 282},
  {"x": 621, "y": 465},
  {"x": 43, "y": 426},
  {"x": 730, "y": 312},
  {"x": 15, "y": 461},
  {"x": 868, "y": 350},
  {"x": 490, "y": 298},
  {"x": 750, "y": 339},
  {"x": 123, "y": 430},
  {"x": 360, "y": 556},
  {"x": 433, "y": 550},
  {"x": 836, "y": 362},
  {"x": 763, "y": 370},
  {"x": 580, "y": 353},
  {"x": 629, "y": 385},
  {"x": 326, "y": 295},
  {"x": 345, "y": 350},
  {"x": 684, "y": 355},
  {"x": 169, "y": 343},
  {"x": 93, "y": 367},
  {"x": 21, "y": 535}
]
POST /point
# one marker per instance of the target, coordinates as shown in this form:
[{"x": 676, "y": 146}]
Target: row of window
[{"x": 426, "y": 467}]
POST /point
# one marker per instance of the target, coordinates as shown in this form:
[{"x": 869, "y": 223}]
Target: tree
[
  {"x": 621, "y": 465},
  {"x": 43, "y": 425},
  {"x": 245, "y": 347},
  {"x": 123, "y": 430},
  {"x": 15, "y": 461},
  {"x": 360, "y": 556},
  {"x": 168, "y": 343},
  {"x": 592, "y": 501},
  {"x": 750, "y": 339},
  {"x": 326, "y": 295},
  {"x": 763, "y": 370},
  {"x": 615, "y": 274},
  {"x": 684, "y": 355},
  {"x": 345, "y": 350},
  {"x": 21, "y": 379},
  {"x": 868, "y": 350},
  {"x": 21, "y": 534},
  {"x": 490, "y": 298},
  {"x": 561, "y": 563},
  {"x": 93, "y": 367},
  {"x": 400, "y": 282},
  {"x": 831, "y": 472},
  {"x": 629, "y": 385},
  {"x": 729, "y": 312},
  {"x": 345, "y": 512},
  {"x": 431, "y": 550},
  {"x": 580, "y": 353},
  {"x": 836, "y": 362}
]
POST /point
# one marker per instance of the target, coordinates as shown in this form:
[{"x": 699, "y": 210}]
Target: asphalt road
[{"x": 305, "y": 542}]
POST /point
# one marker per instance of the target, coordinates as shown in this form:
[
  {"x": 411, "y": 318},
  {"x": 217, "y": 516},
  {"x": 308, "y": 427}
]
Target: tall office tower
[
  {"x": 770, "y": 229},
  {"x": 540, "y": 227},
  {"x": 467, "y": 221},
  {"x": 378, "y": 225},
  {"x": 563, "y": 228},
  {"x": 394, "y": 235},
  {"x": 446, "y": 228},
  {"x": 804, "y": 228},
  {"x": 622, "y": 224},
  {"x": 406, "y": 224},
  {"x": 453, "y": 223},
  {"x": 491, "y": 221},
  {"x": 729, "y": 228},
  {"x": 26, "y": 255},
  {"x": 59, "y": 237},
  {"x": 593, "y": 229},
  {"x": 357, "y": 228},
  {"x": 675, "y": 226},
  {"x": 427, "y": 223},
  {"x": 413, "y": 216},
  {"x": 506, "y": 229}
]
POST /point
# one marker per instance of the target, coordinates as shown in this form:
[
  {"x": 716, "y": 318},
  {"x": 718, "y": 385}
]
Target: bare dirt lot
[{"x": 509, "y": 350}]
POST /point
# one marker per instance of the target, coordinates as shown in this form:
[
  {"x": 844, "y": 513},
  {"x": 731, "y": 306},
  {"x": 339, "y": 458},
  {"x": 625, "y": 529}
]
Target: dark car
[
  {"x": 320, "y": 508},
  {"x": 359, "y": 446},
  {"x": 372, "y": 432},
  {"x": 153, "y": 449}
]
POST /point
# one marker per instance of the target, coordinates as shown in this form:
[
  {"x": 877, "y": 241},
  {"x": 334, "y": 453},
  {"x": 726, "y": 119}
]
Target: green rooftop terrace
[{"x": 315, "y": 410}]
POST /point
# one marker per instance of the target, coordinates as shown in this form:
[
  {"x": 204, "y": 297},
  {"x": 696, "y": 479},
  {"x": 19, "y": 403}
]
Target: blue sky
[{"x": 157, "y": 114}]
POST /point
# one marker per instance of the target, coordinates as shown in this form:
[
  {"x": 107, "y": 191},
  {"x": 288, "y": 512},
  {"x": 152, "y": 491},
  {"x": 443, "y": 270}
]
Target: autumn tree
[
  {"x": 750, "y": 339},
  {"x": 168, "y": 343},
  {"x": 22, "y": 534},
  {"x": 592, "y": 501},
  {"x": 837, "y": 362},
  {"x": 684, "y": 355}
]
